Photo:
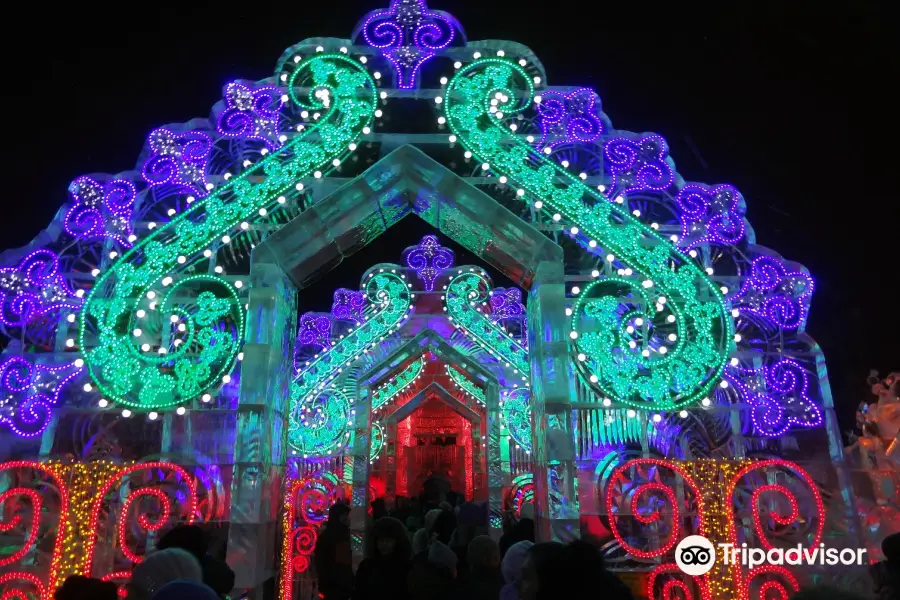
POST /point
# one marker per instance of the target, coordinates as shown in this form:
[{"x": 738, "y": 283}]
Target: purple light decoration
[
  {"x": 408, "y": 35},
  {"x": 506, "y": 303},
  {"x": 428, "y": 259},
  {"x": 348, "y": 304},
  {"x": 179, "y": 159},
  {"x": 34, "y": 288},
  {"x": 252, "y": 114},
  {"x": 638, "y": 164},
  {"x": 101, "y": 210},
  {"x": 568, "y": 118},
  {"x": 710, "y": 215},
  {"x": 314, "y": 330},
  {"x": 773, "y": 292},
  {"x": 29, "y": 391},
  {"x": 784, "y": 403}
]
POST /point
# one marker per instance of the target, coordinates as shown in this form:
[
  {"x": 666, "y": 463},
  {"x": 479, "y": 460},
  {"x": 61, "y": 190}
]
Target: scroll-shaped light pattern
[
  {"x": 428, "y": 259},
  {"x": 186, "y": 499},
  {"x": 314, "y": 330},
  {"x": 710, "y": 215},
  {"x": 304, "y": 508},
  {"x": 29, "y": 392},
  {"x": 506, "y": 303},
  {"x": 567, "y": 118},
  {"x": 377, "y": 442},
  {"x": 178, "y": 160},
  {"x": 34, "y": 288},
  {"x": 396, "y": 385},
  {"x": 101, "y": 210},
  {"x": 774, "y": 293},
  {"x": 515, "y": 410},
  {"x": 408, "y": 35},
  {"x": 323, "y": 420},
  {"x": 391, "y": 299},
  {"x": 639, "y": 164},
  {"x": 465, "y": 293},
  {"x": 673, "y": 578},
  {"x": 620, "y": 487},
  {"x": 704, "y": 326},
  {"x": 348, "y": 304},
  {"x": 779, "y": 397},
  {"x": 207, "y": 313},
  {"x": 252, "y": 114},
  {"x": 463, "y": 383}
]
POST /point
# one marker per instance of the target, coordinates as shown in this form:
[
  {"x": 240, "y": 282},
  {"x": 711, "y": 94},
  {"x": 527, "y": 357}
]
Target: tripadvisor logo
[{"x": 695, "y": 555}]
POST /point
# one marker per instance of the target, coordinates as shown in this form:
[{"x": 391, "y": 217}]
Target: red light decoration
[
  {"x": 90, "y": 543},
  {"x": 674, "y": 536},
  {"x": 62, "y": 526},
  {"x": 795, "y": 512},
  {"x": 143, "y": 520},
  {"x": 18, "y": 592},
  {"x": 783, "y": 589},
  {"x": 125, "y": 576},
  {"x": 674, "y": 582},
  {"x": 308, "y": 501},
  {"x": 36, "y": 503}
]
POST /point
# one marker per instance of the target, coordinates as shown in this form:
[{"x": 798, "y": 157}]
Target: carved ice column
[
  {"x": 358, "y": 465},
  {"x": 552, "y": 427},
  {"x": 498, "y": 459},
  {"x": 260, "y": 434}
]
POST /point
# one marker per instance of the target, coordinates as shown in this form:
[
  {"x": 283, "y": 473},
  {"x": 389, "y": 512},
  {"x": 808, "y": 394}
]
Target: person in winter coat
[
  {"x": 483, "y": 580},
  {"x": 216, "y": 572},
  {"x": 333, "y": 557},
  {"x": 511, "y": 567},
  {"x": 384, "y": 571},
  {"x": 886, "y": 573}
]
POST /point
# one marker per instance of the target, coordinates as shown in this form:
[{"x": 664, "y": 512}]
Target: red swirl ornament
[
  {"x": 61, "y": 525},
  {"x": 645, "y": 519},
  {"x": 5, "y": 526},
  {"x": 18, "y": 591},
  {"x": 782, "y": 589},
  {"x": 300, "y": 563},
  {"x": 165, "y": 511},
  {"x": 674, "y": 581},
  {"x": 189, "y": 508},
  {"x": 305, "y": 539},
  {"x": 783, "y": 520},
  {"x": 124, "y": 577}
]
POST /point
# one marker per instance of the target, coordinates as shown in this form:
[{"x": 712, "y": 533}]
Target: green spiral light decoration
[
  {"x": 392, "y": 300},
  {"x": 200, "y": 319},
  {"x": 476, "y": 101}
]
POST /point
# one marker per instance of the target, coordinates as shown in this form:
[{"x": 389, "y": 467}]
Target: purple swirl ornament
[
  {"x": 772, "y": 292},
  {"x": 638, "y": 165},
  {"x": 101, "y": 210},
  {"x": 179, "y": 159},
  {"x": 34, "y": 288},
  {"x": 506, "y": 303},
  {"x": 778, "y": 396},
  {"x": 710, "y": 215},
  {"x": 314, "y": 330},
  {"x": 568, "y": 118},
  {"x": 28, "y": 392},
  {"x": 408, "y": 35},
  {"x": 348, "y": 304},
  {"x": 428, "y": 259},
  {"x": 252, "y": 114}
]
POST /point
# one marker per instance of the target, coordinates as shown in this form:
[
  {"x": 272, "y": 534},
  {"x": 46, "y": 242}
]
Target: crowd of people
[{"x": 442, "y": 553}]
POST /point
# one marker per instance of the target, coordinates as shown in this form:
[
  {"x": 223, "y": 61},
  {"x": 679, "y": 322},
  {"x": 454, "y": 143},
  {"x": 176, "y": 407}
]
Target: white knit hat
[{"x": 160, "y": 568}]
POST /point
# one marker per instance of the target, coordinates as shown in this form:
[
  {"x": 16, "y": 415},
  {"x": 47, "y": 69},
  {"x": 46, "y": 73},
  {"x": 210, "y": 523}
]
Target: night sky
[{"x": 784, "y": 102}]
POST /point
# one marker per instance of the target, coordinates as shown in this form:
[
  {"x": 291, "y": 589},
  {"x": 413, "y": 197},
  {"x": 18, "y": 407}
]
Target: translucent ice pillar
[{"x": 259, "y": 453}]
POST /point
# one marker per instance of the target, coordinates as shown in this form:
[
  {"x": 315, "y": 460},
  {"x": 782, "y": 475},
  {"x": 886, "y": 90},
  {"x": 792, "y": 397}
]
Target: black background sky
[{"x": 784, "y": 100}]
